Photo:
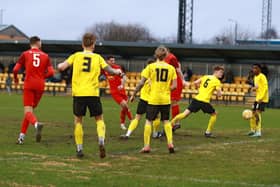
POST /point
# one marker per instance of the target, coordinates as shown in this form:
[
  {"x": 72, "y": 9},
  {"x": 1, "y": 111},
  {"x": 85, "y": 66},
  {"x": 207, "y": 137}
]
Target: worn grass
[{"x": 231, "y": 159}]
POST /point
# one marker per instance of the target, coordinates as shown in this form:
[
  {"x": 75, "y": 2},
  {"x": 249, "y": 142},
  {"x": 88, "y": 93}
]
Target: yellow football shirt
[
  {"x": 161, "y": 75},
  {"x": 262, "y": 91},
  {"x": 208, "y": 84},
  {"x": 145, "y": 91},
  {"x": 86, "y": 70}
]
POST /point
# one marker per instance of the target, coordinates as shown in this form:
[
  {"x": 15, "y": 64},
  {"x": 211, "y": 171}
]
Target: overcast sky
[{"x": 68, "y": 19}]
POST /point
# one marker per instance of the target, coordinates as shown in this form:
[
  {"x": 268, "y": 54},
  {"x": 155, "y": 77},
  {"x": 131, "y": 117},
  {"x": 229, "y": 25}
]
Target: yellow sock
[
  {"x": 253, "y": 124},
  {"x": 101, "y": 131},
  {"x": 178, "y": 117},
  {"x": 147, "y": 134},
  {"x": 211, "y": 123},
  {"x": 78, "y": 133},
  {"x": 133, "y": 125},
  {"x": 156, "y": 124},
  {"x": 168, "y": 132},
  {"x": 259, "y": 123}
]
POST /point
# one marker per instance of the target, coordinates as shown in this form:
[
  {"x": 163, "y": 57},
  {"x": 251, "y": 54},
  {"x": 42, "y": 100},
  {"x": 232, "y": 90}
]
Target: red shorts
[
  {"x": 119, "y": 96},
  {"x": 176, "y": 94},
  {"x": 32, "y": 97}
]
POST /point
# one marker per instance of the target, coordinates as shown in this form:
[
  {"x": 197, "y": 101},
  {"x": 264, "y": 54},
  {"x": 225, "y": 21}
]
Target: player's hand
[
  {"x": 131, "y": 99},
  {"x": 119, "y": 72}
]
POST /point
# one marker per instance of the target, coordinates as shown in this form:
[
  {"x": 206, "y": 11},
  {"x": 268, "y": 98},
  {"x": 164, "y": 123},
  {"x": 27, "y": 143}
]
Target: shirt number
[
  {"x": 206, "y": 83},
  {"x": 86, "y": 64},
  {"x": 162, "y": 75},
  {"x": 36, "y": 60}
]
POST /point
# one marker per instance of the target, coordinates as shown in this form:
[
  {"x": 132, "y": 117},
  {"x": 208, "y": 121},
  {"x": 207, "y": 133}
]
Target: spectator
[
  {"x": 11, "y": 67},
  {"x": 2, "y": 68},
  {"x": 229, "y": 76},
  {"x": 250, "y": 78},
  {"x": 187, "y": 74},
  {"x": 9, "y": 84}
]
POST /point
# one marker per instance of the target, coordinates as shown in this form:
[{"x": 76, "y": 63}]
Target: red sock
[
  {"x": 122, "y": 115},
  {"x": 175, "y": 110},
  {"x": 24, "y": 126},
  {"x": 31, "y": 118},
  {"x": 129, "y": 114}
]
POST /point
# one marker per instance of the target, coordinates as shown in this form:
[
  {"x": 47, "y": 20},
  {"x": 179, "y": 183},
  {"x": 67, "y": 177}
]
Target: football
[{"x": 247, "y": 114}]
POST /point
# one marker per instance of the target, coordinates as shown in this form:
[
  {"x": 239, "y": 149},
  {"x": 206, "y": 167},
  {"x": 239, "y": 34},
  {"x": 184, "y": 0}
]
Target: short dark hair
[
  {"x": 110, "y": 56},
  {"x": 89, "y": 39},
  {"x": 218, "y": 68},
  {"x": 34, "y": 39},
  {"x": 258, "y": 65}
]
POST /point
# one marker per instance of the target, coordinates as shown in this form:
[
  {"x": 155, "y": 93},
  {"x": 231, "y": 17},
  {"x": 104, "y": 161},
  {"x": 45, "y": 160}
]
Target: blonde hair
[{"x": 161, "y": 52}]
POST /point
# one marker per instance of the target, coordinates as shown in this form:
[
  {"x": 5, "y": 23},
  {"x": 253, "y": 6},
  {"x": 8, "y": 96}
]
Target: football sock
[
  {"x": 31, "y": 117},
  {"x": 168, "y": 132},
  {"x": 259, "y": 122},
  {"x": 101, "y": 130},
  {"x": 122, "y": 115},
  {"x": 211, "y": 123},
  {"x": 147, "y": 134},
  {"x": 24, "y": 126},
  {"x": 78, "y": 132},
  {"x": 79, "y": 147},
  {"x": 178, "y": 117},
  {"x": 175, "y": 110},
  {"x": 132, "y": 126},
  {"x": 156, "y": 124},
  {"x": 253, "y": 124},
  {"x": 129, "y": 114}
]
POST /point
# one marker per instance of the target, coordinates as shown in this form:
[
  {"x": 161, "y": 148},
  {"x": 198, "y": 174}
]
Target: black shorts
[
  {"x": 258, "y": 106},
  {"x": 142, "y": 107},
  {"x": 196, "y": 105},
  {"x": 80, "y": 105},
  {"x": 154, "y": 110}
]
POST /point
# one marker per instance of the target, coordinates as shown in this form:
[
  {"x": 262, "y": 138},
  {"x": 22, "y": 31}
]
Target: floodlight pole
[{"x": 235, "y": 29}]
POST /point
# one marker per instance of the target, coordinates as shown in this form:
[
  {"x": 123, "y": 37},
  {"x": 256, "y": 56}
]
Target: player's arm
[
  {"x": 110, "y": 70},
  {"x": 15, "y": 72},
  {"x": 123, "y": 80},
  {"x": 138, "y": 88},
  {"x": 50, "y": 70},
  {"x": 180, "y": 73},
  {"x": 219, "y": 92},
  {"x": 63, "y": 66},
  {"x": 196, "y": 83},
  {"x": 173, "y": 84}
]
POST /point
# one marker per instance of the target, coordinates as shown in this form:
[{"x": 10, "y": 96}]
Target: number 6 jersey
[
  {"x": 87, "y": 67},
  {"x": 208, "y": 84}
]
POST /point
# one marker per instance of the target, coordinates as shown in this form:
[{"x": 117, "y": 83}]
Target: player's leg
[
  {"x": 208, "y": 108},
  {"x": 156, "y": 124},
  {"x": 193, "y": 107},
  {"x": 175, "y": 98},
  {"x": 141, "y": 109},
  {"x": 79, "y": 110},
  {"x": 118, "y": 99},
  {"x": 164, "y": 114},
  {"x": 39, "y": 126},
  {"x": 258, "y": 117},
  {"x": 95, "y": 109},
  {"x": 151, "y": 114}
]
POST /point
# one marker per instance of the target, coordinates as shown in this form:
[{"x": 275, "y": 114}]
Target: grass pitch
[{"x": 231, "y": 159}]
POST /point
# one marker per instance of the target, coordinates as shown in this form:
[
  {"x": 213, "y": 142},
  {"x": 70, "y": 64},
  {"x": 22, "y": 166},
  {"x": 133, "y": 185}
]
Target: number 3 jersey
[
  {"x": 87, "y": 67},
  {"x": 161, "y": 76},
  {"x": 209, "y": 83},
  {"x": 36, "y": 64}
]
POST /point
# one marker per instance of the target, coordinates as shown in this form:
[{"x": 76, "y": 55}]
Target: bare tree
[
  {"x": 270, "y": 34},
  {"x": 113, "y": 31},
  {"x": 228, "y": 36}
]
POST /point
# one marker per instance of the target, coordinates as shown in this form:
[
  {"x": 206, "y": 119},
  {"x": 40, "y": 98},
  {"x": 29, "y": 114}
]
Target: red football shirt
[
  {"x": 114, "y": 80},
  {"x": 36, "y": 64}
]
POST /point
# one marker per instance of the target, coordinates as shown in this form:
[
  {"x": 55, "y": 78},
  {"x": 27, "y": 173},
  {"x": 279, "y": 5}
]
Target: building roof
[
  {"x": 133, "y": 50},
  {"x": 8, "y": 32}
]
